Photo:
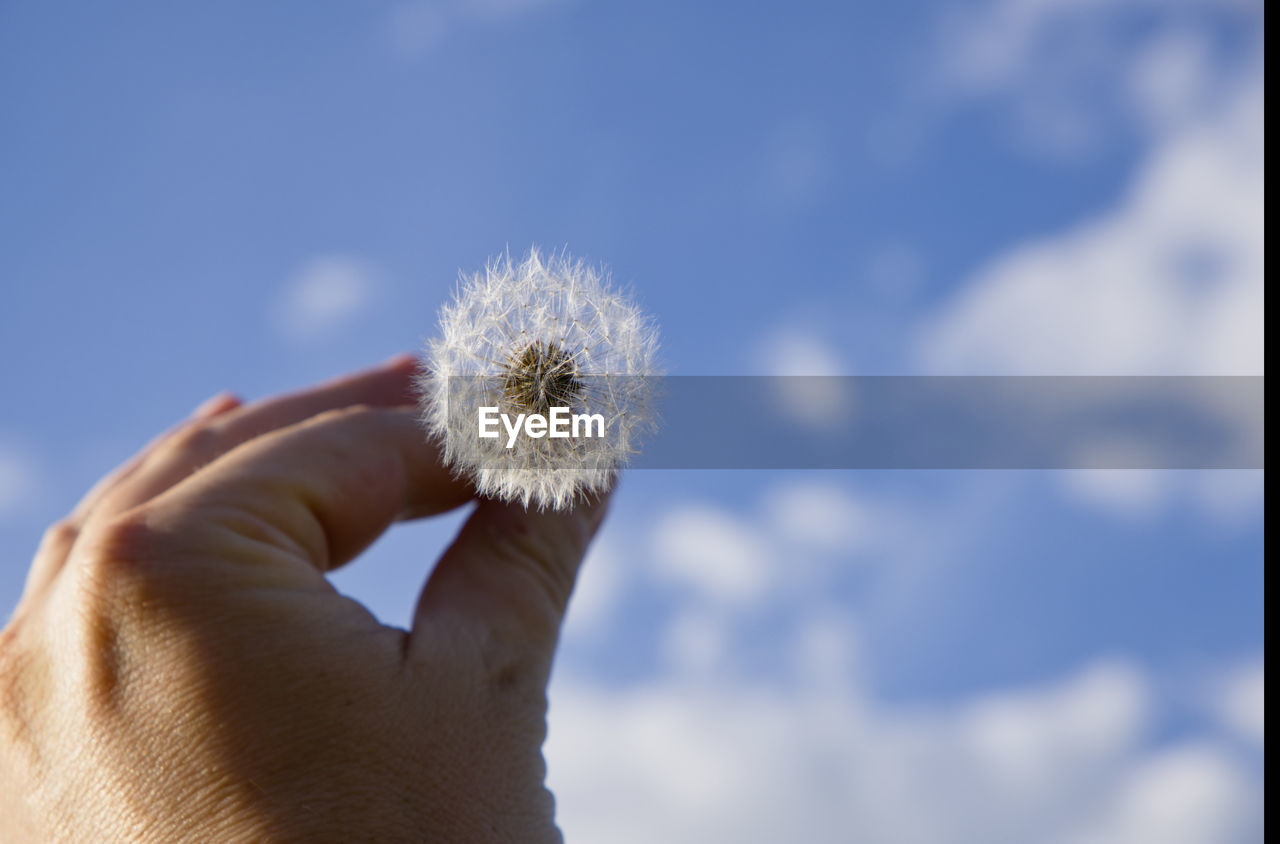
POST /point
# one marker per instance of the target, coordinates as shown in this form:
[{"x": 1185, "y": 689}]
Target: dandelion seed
[{"x": 529, "y": 337}]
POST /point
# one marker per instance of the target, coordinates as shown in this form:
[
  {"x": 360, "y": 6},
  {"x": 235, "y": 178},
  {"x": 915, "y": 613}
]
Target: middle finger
[{"x": 386, "y": 385}]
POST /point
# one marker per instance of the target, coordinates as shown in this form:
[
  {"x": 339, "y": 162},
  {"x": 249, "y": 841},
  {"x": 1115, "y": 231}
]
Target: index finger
[
  {"x": 387, "y": 385},
  {"x": 321, "y": 490}
]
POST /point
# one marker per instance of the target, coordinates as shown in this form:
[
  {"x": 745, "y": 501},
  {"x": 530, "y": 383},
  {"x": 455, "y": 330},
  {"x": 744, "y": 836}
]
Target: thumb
[{"x": 507, "y": 578}]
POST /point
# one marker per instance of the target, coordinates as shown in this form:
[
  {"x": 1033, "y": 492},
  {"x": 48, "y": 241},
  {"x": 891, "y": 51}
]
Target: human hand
[{"x": 179, "y": 668}]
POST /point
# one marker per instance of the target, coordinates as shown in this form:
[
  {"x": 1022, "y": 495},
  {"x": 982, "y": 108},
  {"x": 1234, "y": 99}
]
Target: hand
[{"x": 179, "y": 668}]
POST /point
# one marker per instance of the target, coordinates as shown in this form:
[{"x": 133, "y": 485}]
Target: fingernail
[
  {"x": 216, "y": 404},
  {"x": 397, "y": 361}
]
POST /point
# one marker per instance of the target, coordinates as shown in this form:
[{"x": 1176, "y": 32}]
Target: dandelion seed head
[{"x": 526, "y": 336}]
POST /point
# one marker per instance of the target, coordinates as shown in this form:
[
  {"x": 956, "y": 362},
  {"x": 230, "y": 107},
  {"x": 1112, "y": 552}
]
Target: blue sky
[{"x": 256, "y": 196}]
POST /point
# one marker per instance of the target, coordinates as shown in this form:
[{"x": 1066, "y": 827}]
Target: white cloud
[
  {"x": 809, "y": 388},
  {"x": 598, "y": 587},
  {"x": 992, "y": 44},
  {"x": 1172, "y": 80},
  {"x": 1171, "y": 282},
  {"x": 1134, "y": 493},
  {"x": 417, "y": 26},
  {"x": 713, "y": 551},
  {"x": 1232, "y": 497},
  {"x": 820, "y": 515},
  {"x": 1044, "y": 740},
  {"x": 17, "y": 479},
  {"x": 1241, "y": 702},
  {"x": 1229, "y": 498},
  {"x": 799, "y": 350},
  {"x": 687, "y": 760},
  {"x": 1168, "y": 282},
  {"x": 1192, "y": 794},
  {"x": 1071, "y": 73},
  {"x": 706, "y": 750},
  {"x": 998, "y": 50},
  {"x": 325, "y": 293},
  {"x": 695, "y": 642},
  {"x": 827, "y": 649}
]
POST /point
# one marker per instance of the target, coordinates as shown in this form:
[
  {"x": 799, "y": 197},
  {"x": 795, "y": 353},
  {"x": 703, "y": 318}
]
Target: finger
[
  {"x": 320, "y": 491},
  {"x": 508, "y": 577},
  {"x": 58, "y": 540},
  {"x": 210, "y": 408},
  {"x": 177, "y": 457},
  {"x": 215, "y": 427}
]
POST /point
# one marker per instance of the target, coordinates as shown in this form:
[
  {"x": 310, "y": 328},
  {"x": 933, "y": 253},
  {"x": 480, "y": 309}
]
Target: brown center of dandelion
[{"x": 541, "y": 377}]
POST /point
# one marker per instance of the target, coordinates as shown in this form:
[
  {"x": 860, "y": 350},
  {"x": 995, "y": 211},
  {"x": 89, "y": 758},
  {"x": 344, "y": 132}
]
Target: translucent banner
[{"x": 889, "y": 422}]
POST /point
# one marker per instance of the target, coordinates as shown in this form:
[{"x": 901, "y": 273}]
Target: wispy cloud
[
  {"x": 326, "y": 293},
  {"x": 1241, "y": 701},
  {"x": 821, "y": 515},
  {"x": 17, "y": 479},
  {"x": 598, "y": 588},
  {"x": 695, "y": 641},
  {"x": 417, "y": 26},
  {"x": 797, "y": 352},
  {"x": 712, "y": 551},
  {"x": 1133, "y": 493},
  {"x": 1168, "y": 282},
  {"x": 1193, "y": 793},
  {"x": 1068, "y": 75}
]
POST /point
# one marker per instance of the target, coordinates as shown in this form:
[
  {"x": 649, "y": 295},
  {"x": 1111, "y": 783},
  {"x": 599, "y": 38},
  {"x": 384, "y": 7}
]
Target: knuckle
[
  {"x": 199, "y": 441},
  {"x": 125, "y": 551},
  {"x": 60, "y": 535},
  {"x": 127, "y": 536}
]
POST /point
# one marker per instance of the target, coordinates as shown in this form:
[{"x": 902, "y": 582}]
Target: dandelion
[{"x": 541, "y": 337}]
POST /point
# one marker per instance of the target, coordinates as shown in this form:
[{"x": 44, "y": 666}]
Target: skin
[{"x": 179, "y": 668}]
